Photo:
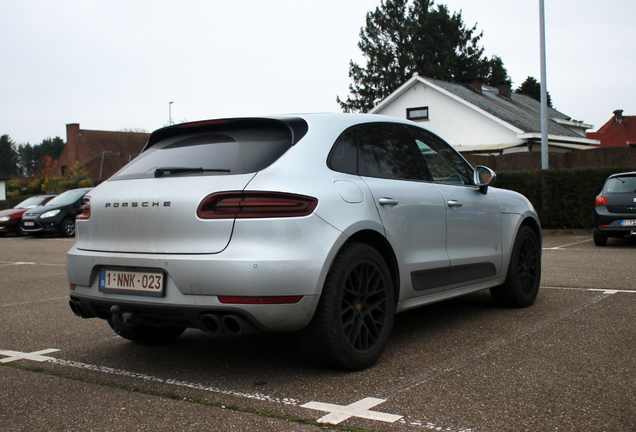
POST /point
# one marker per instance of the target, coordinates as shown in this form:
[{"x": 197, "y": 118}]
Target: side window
[
  {"x": 385, "y": 153},
  {"x": 444, "y": 164},
  {"x": 344, "y": 155}
]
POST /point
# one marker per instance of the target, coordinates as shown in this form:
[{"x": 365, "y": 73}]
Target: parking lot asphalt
[{"x": 566, "y": 363}]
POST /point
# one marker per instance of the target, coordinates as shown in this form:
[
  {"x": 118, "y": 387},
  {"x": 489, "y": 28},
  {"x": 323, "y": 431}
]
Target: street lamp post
[
  {"x": 170, "y": 113},
  {"x": 544, "y": 91}
]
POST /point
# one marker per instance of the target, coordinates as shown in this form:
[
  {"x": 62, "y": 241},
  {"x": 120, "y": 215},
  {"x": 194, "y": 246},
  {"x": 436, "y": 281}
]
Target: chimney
[
  {"x": 473, "y": 84},
  {"x": 505, "y": 90},
  {"x": 618, "y": 116},
  {"x": 72, "y": 143}
]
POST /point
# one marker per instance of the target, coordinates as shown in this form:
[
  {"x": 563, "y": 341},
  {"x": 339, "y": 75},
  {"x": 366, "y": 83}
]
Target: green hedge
[{"x": 564, "y": 198}]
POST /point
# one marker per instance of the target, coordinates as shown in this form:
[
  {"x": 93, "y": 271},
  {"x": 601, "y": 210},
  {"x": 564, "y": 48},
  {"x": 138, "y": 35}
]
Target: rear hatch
[
  {"x": 150, "y": 206},
  {"x": 621, "y": 191}
]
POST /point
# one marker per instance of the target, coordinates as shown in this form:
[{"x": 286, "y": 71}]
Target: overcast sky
[{"x": 113, "y": 65}]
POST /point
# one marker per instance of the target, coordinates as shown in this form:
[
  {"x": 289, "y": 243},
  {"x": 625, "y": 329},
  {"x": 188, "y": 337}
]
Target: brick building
[
  {"x": 102, "y": 153},
  {"x": 619, "y": 131}
]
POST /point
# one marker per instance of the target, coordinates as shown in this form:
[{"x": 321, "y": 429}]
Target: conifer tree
[{"x": 401, "y": 38}]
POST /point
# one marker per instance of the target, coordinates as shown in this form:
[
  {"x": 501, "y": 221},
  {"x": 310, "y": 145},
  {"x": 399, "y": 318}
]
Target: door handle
[
  {"x": 387, "y": 201},
  {"x": 453, "y": 203}
]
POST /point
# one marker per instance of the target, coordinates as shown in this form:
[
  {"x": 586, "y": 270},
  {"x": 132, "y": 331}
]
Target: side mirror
[{"x": 483, "y": 177}]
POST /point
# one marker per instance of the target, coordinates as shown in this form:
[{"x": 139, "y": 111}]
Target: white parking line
[
  {"x": 35, "y": 356},
  {"x": 339, "y": 413},
  {"x": 603, "y": 290},
  {"x": 570, "y": 244},
  {"x": 14, "y": 263}
]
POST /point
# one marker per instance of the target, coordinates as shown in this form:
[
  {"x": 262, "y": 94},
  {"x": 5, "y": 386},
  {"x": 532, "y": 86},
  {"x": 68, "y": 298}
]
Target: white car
[{"x": 327, "y": 224}]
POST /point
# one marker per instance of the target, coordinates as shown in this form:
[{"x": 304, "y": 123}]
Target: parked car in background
[
  {"x": 327, "y": 224},
  {"x": 615, "y": 210},
  {"x": 56, "y": 216},
  {"x": 10, "y": 219}
]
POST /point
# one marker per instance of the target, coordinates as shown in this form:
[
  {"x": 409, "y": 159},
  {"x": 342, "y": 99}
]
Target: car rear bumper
[
  {"x": 201, "y": 315},
  {"x": 615, "y": 231},
  {"x": 248, "y": 267},
  {"x": 609, "y": 224}
]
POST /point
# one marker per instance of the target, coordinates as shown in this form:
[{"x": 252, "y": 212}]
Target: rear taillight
[
  {"x": 601, "y": 201},
  {"x": 228, "y": 205},
  {"x": 86, "y": 209}
]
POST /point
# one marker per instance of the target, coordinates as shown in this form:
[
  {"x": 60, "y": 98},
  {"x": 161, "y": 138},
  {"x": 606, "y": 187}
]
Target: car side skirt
[{"x": 447, "y": 294}]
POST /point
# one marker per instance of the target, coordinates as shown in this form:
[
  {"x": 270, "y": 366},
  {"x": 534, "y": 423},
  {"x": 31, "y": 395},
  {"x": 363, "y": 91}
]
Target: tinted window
[
  {"x": 442, "y": 161},
  {"x": 344, "y": 155},
  {"x": 228, "y": 149},
  {"x": 385, "y": 153}
]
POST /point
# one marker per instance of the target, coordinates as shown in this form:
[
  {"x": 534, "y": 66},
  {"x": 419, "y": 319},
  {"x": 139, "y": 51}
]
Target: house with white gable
[
  {"x": 3, "y": 188},
  {"x": 480, "y": 119}
]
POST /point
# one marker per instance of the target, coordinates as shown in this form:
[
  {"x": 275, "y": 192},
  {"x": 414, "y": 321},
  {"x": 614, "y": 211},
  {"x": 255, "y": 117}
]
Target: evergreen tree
[
  {"x": 26, "y": 163},
  {"x": 400, "y": 39},
  {"x": 531, "y": 87},
  {"x": 30, "y": 161},
  {"x": 8, "y": 156}
]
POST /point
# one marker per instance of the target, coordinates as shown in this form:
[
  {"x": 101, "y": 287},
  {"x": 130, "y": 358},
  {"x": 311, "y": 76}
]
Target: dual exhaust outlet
[{"x": 231, "y": 323}]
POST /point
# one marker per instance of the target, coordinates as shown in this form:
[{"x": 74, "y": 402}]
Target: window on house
[
  {"x": 420, "y": 113},
  {"x": 64, "y": 170}
]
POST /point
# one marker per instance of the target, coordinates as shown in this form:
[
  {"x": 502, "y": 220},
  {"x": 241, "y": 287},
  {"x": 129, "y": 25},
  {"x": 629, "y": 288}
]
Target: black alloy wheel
[
  {"x": 353, "y": 321},
  {"x": 524, "y": 272},
  {"x": 67, "y": 227}
]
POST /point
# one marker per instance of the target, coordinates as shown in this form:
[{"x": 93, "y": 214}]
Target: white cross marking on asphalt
[
  {"x": 339, "y": 413},
  {"x": 17, "y": 355}
]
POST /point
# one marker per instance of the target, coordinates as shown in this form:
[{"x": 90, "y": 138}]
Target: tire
[
  {"x": 67, "y": 227},
  {"x": 600, "y": 239},
  {"x": 146, "y": 334},
  {"x": 352, "y": 323},
  {"x": 524, "y": 272}
]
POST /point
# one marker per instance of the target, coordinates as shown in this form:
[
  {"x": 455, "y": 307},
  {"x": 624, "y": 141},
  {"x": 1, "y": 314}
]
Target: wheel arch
[
  {"x": 512, "y": 223},
  {"x": 535, "y": 225},
  {"x": 378, "y": 242}
]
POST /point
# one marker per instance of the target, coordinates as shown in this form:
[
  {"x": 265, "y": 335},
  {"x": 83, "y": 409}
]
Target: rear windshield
[
  {"x": 621, "y": 184},
  {"x": 225, "y": 149}
]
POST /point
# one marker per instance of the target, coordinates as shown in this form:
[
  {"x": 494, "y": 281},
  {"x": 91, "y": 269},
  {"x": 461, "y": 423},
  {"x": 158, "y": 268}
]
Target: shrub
[{"x": 563, "y": 198}]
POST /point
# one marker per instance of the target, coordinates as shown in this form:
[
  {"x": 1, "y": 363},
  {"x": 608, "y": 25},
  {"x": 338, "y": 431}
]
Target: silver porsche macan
[{"x": 325, "y": 224}]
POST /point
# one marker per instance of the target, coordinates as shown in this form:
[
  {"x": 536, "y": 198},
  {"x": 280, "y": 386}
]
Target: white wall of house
[
  {"x": 461, "y": 126},
  {"x": 3, "y": 190}
]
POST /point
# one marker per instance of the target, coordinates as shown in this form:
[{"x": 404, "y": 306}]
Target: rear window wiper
[{"x": 160, "y": 171}]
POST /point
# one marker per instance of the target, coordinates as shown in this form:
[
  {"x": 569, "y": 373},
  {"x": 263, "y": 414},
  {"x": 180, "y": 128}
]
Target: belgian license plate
[
  {"x": 628, "y": 223},
  {"x": 132, "y": 282},
  {"x": 29, "y": 223}
]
